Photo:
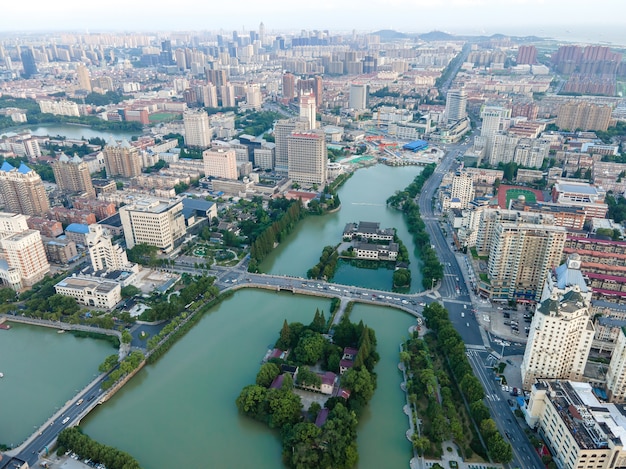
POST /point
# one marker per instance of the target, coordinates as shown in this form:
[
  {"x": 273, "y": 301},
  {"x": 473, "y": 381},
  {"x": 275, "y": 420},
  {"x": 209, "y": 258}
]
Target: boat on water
[
  {"x": 1, "y": 375},
  {"x": 61, "y": 331},
  {"x": 5, "y": 326}
]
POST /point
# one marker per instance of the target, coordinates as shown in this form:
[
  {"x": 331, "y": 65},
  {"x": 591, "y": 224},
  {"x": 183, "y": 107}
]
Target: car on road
[
  {"x": 422, "y": 304},
  {"x": 80, "y": 401},
  {"x": 65, "y": 420}
]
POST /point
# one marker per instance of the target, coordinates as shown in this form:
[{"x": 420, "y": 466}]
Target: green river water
[{"x": 180, "y": 412}]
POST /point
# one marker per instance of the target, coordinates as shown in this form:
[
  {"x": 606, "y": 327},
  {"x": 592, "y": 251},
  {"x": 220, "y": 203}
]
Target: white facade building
[
  {"x": 221, "y": 163},
  {"x": 197, "y": 130}
]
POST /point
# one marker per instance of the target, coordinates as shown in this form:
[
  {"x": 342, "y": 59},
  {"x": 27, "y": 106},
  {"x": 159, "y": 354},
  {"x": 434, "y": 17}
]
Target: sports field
[{"x": 508, "y": 193}]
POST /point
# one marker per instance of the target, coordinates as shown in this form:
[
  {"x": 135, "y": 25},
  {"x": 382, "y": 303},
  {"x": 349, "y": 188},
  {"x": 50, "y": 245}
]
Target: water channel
[
  {"x": 73, "y": 131},
  {"x": 362, "y": 199},
  {"x": 42, "y": 370}
]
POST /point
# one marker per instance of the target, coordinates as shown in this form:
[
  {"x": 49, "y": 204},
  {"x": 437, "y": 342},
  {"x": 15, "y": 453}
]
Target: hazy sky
[{"x": 457, "y": 16}]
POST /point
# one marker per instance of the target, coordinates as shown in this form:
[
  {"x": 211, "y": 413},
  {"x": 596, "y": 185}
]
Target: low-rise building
[
  {"x": 60, "y": 250},
  {"x": 376, "y": 252},
  {"x": 367, "y": 230},
  {"x": 92, "y": 292}
]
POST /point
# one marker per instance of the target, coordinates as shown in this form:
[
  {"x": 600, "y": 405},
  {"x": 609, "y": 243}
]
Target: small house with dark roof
[
  {"x": 328, "y": 382},
  {"x": 278, "y": 382},
  {"x": 347, "y": 360}
]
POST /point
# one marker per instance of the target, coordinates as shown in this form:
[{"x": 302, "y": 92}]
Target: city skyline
[{"x": 577, "y": 18}]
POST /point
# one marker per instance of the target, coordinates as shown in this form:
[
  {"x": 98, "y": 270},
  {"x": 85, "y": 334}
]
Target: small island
[{"x": 313, "y": 387}]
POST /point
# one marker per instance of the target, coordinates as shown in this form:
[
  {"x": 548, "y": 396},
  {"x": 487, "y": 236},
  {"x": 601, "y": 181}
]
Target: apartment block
[
  {"x": 23, "y": 190},
  {"x": 26, "y": 257},
  {"x": 72, "y": 175},
  {"x": 307, "y": 157},
  {"x": 220, "y": 163},
  {"x": 122, "y": 159}
]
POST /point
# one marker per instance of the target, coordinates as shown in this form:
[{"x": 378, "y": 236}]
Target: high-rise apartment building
[
  {"x": 254, "y": 98},
  {"x": 307, "y": 108},
  {"x": 72, "y": 175},
  {"x": 307, "y": 157},
  {"x": 282, "y": 130},
  {"x": 23, "y": 190},
  {"x": 520, "y": 257},
  {"x": 227, "y": 93},
  {"x": 289, "y": 86},
  {"x": 25, "y": 258},
  {"x": 561, "y": 331},
  {"x": 492, "y": 124},
  {"x": 220, "y": 163},
  {"x": 358, "y": 96},
  {"x": 121, "y": 159},
  {"x": 456, "y": 105},
  {"x": 197, "y": 129},
  {"x": 156, "y": 222},
  {"x": 84, "y": 79},
  {"x": 462, "y": 189},
  {"x": 583, "y": 116},
  {"x": 217, "y": 77},
  {"x": 209, "y": 95},
  {"x": 526, "y": 55}
]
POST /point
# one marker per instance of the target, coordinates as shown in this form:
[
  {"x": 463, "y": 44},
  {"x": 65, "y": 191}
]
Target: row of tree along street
[
  {"x": 305, "y": 444},
  {"x": 73, "y": 439},
  {"x": 432, "y": 270},
  {"x": 449, "y": 349}
]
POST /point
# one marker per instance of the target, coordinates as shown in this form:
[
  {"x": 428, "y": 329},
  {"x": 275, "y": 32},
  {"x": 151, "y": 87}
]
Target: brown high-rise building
[
  {"x": 313, "y": 85},
  {"x": 217, "y": 77},
  {"x": 583, "y": 116},
  {"x": 289, "y": 86},
  {"x": 121, "y": 159},
  {"x": 22, "y": 190},
  {"x": 526, "y": 55},
  {"x": 72, "y": 175}
]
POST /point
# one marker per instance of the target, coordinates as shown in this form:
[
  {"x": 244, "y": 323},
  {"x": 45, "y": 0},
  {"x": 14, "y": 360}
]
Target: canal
[
  {"x": 362, "y": 198},
  {"x": 42, "y": 370},
  {"x": 181, "y": 411}
]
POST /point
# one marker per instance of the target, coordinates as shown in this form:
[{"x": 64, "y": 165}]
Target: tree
[
  {"x": 359, "y": 382},
  {"x": 284, "y": 341},
  {"x": 319, "y": 322},
  {"x": 307, "y": 378},
  {"x": 127, "y": 338},
  {"x": 284, "y": 407},
  {"x": 252, "y": 401},
  {"x": 499, "y": 449},
  {"x": 129, "y": 291},
  {"x": 7, "y": 295},
  {"x": 310, "y": 348},
  {"x": 108, "y": 363},
  {"x": 267, "y": 373}
]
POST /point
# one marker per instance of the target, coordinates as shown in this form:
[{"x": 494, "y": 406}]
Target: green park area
[
  {"x": 515, "y": 193},
  {"x": 163, "y": 116}
]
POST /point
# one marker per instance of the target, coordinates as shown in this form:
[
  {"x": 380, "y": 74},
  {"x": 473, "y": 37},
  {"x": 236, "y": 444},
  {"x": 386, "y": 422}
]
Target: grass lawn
[
  {"x": 515, "y": 193},
  {"x": 163, "y": 116}
]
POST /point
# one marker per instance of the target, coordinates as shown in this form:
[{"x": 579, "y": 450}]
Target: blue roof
[
  {"x": 24, "y": 169},
  {"x": 416, "y": 145},
  {"x": 77, "y": 228},
  {"x": 7, "y": 167}
]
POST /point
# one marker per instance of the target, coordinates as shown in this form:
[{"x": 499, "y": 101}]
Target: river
[
  {"x": 362, "y": 198},
  {"x": 74, "y": 132},
  {"x": 181, "y": 411},
  {"x": 42, "y": 370}
]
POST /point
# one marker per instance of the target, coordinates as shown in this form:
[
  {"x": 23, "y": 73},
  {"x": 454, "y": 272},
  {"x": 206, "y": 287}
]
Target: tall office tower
[
  {"x": 282, "y": 130},
  {"x": 26, "y": 261},
  {"x": 561, "y": 331},
  {"x": 209, "y": 96},
  {"x": 307, "y": 157},
  {"x": 220, "y": 163},
  {"x": 72, "y": 175},
  {"x": 307, "y": 108},
  {"x": 526, "y": 55},
  {"x": 289, "y": 86},
  {"x": 358, "y": 97},
  {"x": 84, "y": 79},
  {"x": 217, "y": 77},
  {"x": 227, "y": 93},
  {"x": 262, "y": 33},
  {"x": 492, "y": 122},
  {"x": 520, "y": 257},
  {"x": 456, "y": 105},
  {"x": 318, "y": 89},
  {"x": 103, "y": 253},
  {"x": 165, "y": 57},
  {"x": 28, "y": 62},
  {"x": 156, "y": 222},
  {"x": 254, "y": 99},
  {"x": 197, "y": 129},
  {"x": 181, "y": 59},
  {"x": 121, "y": 159},
  {"x": 23, "y": 190},
  {"x": 462, "y": 189}
]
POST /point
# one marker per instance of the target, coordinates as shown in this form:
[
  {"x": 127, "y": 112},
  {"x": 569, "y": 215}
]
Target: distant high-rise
[
  {"x": 103, "y": 253},
  {"x": 308, "y": 157},
  {"x": 227, "y": 92},
  {"x": 307, "y": 108},
  {"x": 84, "y": 79},
  {"x": 526, "y": 55},
  {"x": 122, "y": 159},
  {"x": 492, "y": 124},
  {"x": 289, "y": 86},
  {"x": 456, "y": 105},
  {"x": 220, "y": 163},
  {"x": 583, "y": 115},
  {"x": 22, "y": 190},
  {"x": 26, "y": 261},
  {"x": 72, "y": 174},
  {"x": 197, "y": 129},
  {"x": 28, "y": 62},
  {"x": 217, "y": 77},
  {"x": 282, "y": 130},
  {"x": 262, "y": 33},
  {"x": 358, "y": 97}
]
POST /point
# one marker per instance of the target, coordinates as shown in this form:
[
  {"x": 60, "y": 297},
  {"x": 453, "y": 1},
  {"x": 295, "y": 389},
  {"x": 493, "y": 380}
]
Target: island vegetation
[
  {"x": 432, "y": 270},
  {"x": 317, "y": 436}
]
